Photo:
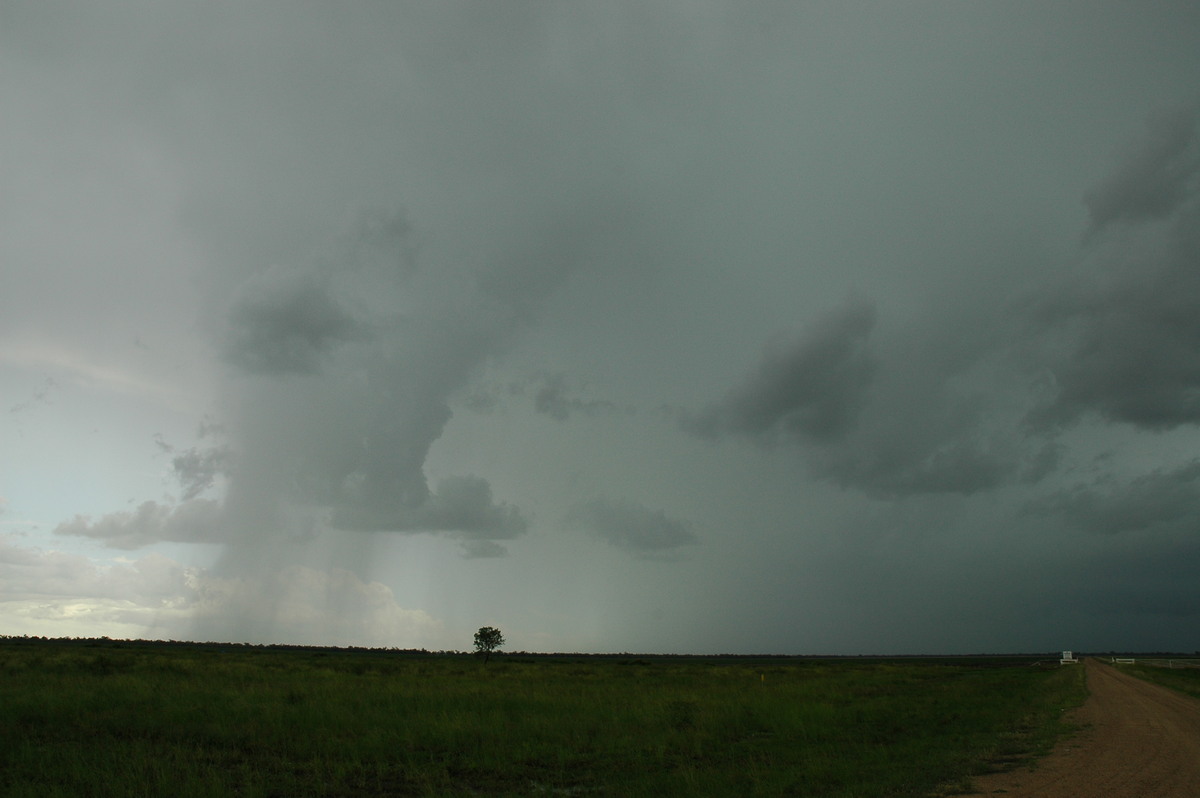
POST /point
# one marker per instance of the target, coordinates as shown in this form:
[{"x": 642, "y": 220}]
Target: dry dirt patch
[{"x": 1139, "y": 741}]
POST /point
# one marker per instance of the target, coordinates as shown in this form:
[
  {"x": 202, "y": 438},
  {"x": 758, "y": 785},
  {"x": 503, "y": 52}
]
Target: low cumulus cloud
[
  {"x": 197, "y": 468},
  {"x": 965, "y": 463},
  {"x": 193, "y": 521},
  {"x": 462, "y": 506},
  {"x": 30, "y": 573},
  {"x": 74, "y": 596},
  {"x": 808, "y": 387},
  {"x": 465, "y": 505},
  {"x": 553, "y": 394},
  {"x": 637, "y": 529},
  {"x": 889, "y": 419},
  {"x": 1162, "y": 500},
  {"x": 553, "y": 398},
  {"x": 482, "y": 549},
  {"x": 1156, "y": 177}
]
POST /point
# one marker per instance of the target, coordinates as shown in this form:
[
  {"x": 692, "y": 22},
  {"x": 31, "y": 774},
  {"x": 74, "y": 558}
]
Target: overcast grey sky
[{"x": 695, "y": 326}]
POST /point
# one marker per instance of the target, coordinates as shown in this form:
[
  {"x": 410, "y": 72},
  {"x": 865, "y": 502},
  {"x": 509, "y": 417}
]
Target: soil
[{"x": 1138, "y": 740}]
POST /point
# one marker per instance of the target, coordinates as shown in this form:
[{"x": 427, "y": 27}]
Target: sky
[{"x": 717, "y": 326}]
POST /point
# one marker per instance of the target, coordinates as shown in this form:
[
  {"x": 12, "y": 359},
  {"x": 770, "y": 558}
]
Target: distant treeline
[
  {"x": 108, "y": 642},
  {"x": 95, "y": 642}
]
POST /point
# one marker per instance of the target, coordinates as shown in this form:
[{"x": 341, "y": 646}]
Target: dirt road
[{"x": 1139, "y": 741}]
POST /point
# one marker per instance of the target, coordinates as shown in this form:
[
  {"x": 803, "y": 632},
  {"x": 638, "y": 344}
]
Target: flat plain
[{"x": 128, "y": 718}]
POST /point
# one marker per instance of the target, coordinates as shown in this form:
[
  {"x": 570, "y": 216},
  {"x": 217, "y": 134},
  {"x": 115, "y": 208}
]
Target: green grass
[
  {"x": 1185, "y": 680},
  {"x": 125, "y": 720}
]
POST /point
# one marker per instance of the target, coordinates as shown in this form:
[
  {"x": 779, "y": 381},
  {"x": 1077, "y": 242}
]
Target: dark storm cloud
[
  {"x": 285, "y": 323},
  {"x": 553, "y": 398},
  {"x": 928, "y": 408},
  {"x": 1147, "y": 598},
  {"x": 194, "y": 521},
  {"x": 387, "y": 332},
  {"x": 808, "y": 387},
  {"x": 350, "y": 442},
  {"x": 386, "y": 239},
  {"x": 355, "y": 440},
  {"x": 969, "y": 403},
  {"x": 632, "y": 527},
  {"x": 890, "y": 467},
  {"x": 482, "y": 549},
  {"x": 624, "y": 201},
  {"x": 461, "y": 505},
  {"x": 1161, "y": 500},
  {"x": 1147, "y": 574},
  {"x": 1121, "y": 336},
  {"x": 596, "y": 229},
  {"x": 552, "y": 394},
  {"x": 948, "y": 410},
  {"x": 456, "y": 322},
  {"x": 1156, "y": 177}
]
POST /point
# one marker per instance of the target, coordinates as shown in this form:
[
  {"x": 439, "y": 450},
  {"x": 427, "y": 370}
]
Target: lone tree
[{"x": 487, "y": 640}]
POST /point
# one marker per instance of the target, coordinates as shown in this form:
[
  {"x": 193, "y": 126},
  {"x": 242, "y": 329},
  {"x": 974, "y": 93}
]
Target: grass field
[
  {"x": 1183, "y": 679},
  {"x": 121, "y": 719}
]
